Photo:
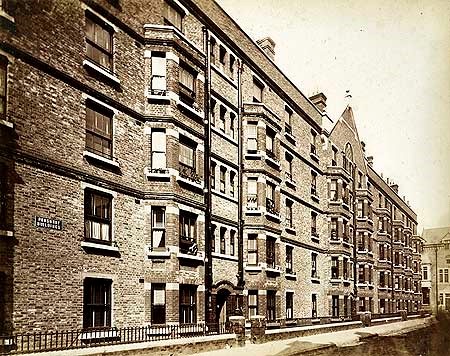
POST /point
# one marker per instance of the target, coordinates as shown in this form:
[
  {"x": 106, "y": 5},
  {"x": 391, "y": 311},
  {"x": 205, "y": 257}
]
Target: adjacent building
[
  {"x": 435, "y": 268},
  {"x": 157, "y": 167}
]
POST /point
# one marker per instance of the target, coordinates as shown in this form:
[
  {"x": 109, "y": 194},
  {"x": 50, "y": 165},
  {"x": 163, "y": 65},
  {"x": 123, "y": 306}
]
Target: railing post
[
  {"x": 404, "y": 315},
  {"x": 258, "y": 329},
  {"x": 366, "y": 318},
  {"x": 238, "y": 327}
]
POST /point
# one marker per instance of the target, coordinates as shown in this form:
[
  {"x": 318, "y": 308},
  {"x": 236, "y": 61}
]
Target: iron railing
[{"x": 73, "y": 339}]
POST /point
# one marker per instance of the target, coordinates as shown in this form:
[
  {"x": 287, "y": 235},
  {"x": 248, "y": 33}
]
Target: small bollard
[
  {"x": 258, "y": 329},
  {"x": 238, "y": 327}
]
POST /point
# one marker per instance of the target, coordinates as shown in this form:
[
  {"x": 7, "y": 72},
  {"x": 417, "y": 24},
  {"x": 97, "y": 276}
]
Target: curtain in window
[{"x": 186, "y": 155}]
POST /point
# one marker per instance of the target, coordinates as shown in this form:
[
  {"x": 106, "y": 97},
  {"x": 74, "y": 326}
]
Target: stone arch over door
[{"x": 225, "y": 301}]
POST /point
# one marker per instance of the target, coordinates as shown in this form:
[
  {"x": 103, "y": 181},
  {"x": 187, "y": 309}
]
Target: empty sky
[{"x": 394, "y": 57}]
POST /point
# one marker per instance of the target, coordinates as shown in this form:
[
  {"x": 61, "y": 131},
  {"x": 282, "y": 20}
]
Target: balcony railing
[
  {"x": 270, "y": 207},
  {"x": 188, "y": 245},
  {"x": 334, "y": 236},
  {"x": 252, "y": 202},
  {"x": 189, "y": 173}
]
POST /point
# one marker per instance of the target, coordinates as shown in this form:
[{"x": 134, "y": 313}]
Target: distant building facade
[
  {"x": 157, "y": 167},
  {"x": 436, "y": 268}
]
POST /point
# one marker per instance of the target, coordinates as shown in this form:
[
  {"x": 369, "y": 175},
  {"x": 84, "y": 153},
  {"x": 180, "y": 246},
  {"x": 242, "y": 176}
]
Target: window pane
[
  {"x": 186, "y": 155},
  {"x": 252, "y": 186},
  {"x": 2, "y": 81}
]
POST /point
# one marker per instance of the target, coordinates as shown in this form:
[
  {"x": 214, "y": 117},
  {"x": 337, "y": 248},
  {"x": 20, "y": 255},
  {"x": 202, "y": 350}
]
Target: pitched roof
[{"x": 436, "y": 235}]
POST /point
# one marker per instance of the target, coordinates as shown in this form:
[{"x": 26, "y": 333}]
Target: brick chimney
[
  {"x": 370, "y": 160},
  {"x": 319, "y": 100},
  {"x": 394, "y": 187},
  {"x": 268, "y": 46},
  {"x": 363, "y": 146}
]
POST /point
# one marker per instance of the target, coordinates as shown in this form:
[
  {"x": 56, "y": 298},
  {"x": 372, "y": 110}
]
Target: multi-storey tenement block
[
  {"x": 435, "y": 268},
  {"x": 374, "y": 255},
  {"x": 157, "y": 167}
]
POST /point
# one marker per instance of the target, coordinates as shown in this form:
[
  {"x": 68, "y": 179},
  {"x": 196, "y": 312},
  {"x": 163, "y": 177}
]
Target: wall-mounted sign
[{"x": 48, "y": 223}]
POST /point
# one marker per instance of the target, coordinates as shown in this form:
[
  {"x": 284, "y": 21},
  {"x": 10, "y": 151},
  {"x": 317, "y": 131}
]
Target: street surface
[{"x": 413, "y": 337}]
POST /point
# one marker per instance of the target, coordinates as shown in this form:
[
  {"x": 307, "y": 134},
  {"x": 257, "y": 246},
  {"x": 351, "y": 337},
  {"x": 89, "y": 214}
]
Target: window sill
[
  {"x": 7, "y": 233},
  {"x": 314, "y": 157},
  {"x": 291, "y": 183},
  {"x": 315, "y": 238},
  {"x": 199, "y": 114},
  {"x": 101, "y": 159},
  {"x": 99, "y": 246},
  {"x": 100, "y": 70},
  {"x": 292, "y": 275},
  {"x": 224, "y": 76},
  {"x": 276, "y": 269},
  {"x": 190, "y": 257},
  {"x": 315, "y": 197},
  {"x": 156, "y": 97},
  {"x": 335, "y": 280},
  {"x": 223, "y": 195},
  {"x": 290, "y": 137},
  {"x": 253, "y": 268},
  {"x": 273, "y": 216},
  {"x": 273, "y": 161},
  {"x": 315, "y": 280},
  {"x": 157, "y": 175},
  {"x": 224, "y": 135},
  {"x": 158, "y": 254},
  {"x": 224, "y": 256},
  {"x": 190, "y": 182},
  {"x": 290, "y": 230},
  {"x": 253, "y": 155},
  {"x": 6, "y": 16},
  {"x": 7, "y": 124},
  {"x": 256, "y": 211}
]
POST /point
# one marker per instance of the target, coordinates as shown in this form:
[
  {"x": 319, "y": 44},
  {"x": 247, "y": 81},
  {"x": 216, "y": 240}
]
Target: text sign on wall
[{"x": 48, "y": 223}]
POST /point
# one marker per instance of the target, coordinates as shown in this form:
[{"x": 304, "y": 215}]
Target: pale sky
[{"x": 394, "y": 57}]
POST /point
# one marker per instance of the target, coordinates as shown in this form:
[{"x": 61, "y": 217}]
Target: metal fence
[{"x": 63, "y": 340}]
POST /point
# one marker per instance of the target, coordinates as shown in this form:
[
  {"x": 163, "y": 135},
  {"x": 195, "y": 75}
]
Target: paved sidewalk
[{"x": 314, "y": 342}]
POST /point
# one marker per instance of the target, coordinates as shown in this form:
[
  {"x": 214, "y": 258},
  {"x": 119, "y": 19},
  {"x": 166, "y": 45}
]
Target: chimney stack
[
  {"x": 363, "y": 146},
  {"x": 394, "y": 187},
  {"x": 320, "y": 101},
  {"x": 370, "y": 160},
  {"x": 268, "y": 46},
  {"x": 348, "y": 97}
]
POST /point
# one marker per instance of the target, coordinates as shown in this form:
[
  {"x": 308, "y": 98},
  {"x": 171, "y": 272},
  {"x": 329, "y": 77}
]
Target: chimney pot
[
  {"x": 268, "y": 46},
  {"x": 394, "y": 187},
  {"x": 348, "y": 97},
  {"x": 370, "y": 160},
  {"x": 319, "y": 100}
]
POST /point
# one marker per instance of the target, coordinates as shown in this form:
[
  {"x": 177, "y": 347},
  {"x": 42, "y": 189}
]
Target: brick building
[
  {"x": 157, "y": 167},
  {"x": 383, "y": 263},
  {"x": 435, "y": 268}
]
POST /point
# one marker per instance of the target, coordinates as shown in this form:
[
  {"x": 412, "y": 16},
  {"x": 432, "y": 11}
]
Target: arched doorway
[{"x": 223, "y": 305}]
